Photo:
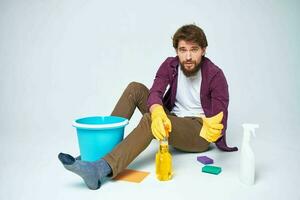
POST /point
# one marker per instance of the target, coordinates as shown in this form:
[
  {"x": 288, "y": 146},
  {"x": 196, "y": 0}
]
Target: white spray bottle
[{"x": 247, "y": 165}]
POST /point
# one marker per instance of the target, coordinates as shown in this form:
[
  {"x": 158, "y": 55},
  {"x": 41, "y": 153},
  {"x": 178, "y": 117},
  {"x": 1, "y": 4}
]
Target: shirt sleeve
[
  {"x": 160, "y": 84},
  {"x": 220, "y": 97}
]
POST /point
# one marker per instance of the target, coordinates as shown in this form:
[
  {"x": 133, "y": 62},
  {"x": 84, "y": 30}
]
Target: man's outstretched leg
[
  {"x": 113, "y": 163},
  {"x": 135, "y": 95},
  {"x": 126, "y": 151}
]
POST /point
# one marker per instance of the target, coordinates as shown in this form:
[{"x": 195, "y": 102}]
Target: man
[{"x": 193, "y": 110}]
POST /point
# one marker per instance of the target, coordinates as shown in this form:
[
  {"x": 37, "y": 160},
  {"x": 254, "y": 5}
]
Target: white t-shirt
[{"x": 187, "y": 102}]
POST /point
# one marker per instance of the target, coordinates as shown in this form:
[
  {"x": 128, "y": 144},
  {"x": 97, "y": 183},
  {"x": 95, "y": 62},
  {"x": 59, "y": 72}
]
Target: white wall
[{"x": 61, "y": 59}]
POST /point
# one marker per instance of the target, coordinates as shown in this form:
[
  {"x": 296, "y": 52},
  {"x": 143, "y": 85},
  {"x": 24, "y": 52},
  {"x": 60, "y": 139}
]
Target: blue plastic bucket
[{"x": 98, "y": 135}]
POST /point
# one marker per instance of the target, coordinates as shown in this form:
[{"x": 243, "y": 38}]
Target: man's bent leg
[
  {"x": 126, "y": 151},
  {"x": 135, "y": 95},
  {"x": 185, "y": 134}
]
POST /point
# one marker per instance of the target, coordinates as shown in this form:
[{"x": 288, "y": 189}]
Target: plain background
[{"x": 61, "y": 60}]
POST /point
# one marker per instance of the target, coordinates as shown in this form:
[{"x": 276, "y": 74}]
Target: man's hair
[{"x": 190, "y": 33}]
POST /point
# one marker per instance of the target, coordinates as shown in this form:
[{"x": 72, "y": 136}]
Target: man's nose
[{"x": 188, "y": 55}]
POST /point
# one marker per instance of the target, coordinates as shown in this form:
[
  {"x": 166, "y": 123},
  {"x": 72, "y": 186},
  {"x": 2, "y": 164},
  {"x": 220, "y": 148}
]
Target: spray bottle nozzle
[{"x": 251, "y": 128}]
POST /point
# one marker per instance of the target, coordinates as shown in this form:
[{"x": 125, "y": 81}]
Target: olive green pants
[{"x": 184, "y": 135}]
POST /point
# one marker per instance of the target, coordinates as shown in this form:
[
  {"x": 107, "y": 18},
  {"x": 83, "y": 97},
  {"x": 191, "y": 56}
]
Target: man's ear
[{"x": 204, "y": 51}]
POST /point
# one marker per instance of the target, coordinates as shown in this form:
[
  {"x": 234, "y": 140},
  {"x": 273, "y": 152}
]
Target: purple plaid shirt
[{"x": 214, "y": 95}]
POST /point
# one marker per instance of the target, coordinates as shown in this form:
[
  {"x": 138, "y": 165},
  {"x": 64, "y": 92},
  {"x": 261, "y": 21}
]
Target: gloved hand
[
  {"x": 161, "y": 125},
  {"x": 212, "y": 128}
]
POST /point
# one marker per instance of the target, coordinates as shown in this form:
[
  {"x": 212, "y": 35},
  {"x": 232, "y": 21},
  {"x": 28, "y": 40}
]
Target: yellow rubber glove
[
  {"x": 212, "y": 128},
  {"x": 161, "y": 125}
]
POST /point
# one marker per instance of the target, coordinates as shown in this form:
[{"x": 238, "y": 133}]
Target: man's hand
[
  {"x": 212, "y": 128},
  {"x": 160, "y": 125}
]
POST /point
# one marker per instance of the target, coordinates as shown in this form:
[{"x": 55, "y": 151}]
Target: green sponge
[{"x": 211, "y": 169}]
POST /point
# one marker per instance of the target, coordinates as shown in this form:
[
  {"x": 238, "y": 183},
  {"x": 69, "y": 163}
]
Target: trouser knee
[
  {"x": 145, "y": 124},
  {"x": 136, "y": 86}
]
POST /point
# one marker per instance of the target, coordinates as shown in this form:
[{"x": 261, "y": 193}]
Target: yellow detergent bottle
[{"x": 163, "y": 161}]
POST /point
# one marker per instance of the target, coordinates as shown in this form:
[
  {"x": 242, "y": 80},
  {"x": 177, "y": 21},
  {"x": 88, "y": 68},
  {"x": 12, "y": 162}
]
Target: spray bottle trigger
[
  {"x": 253, "y": 129},
  {"x": 253, "y": 133}
]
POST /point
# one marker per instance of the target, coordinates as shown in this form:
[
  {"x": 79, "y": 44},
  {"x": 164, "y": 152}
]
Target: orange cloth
[{"x": 131, "y": 175}]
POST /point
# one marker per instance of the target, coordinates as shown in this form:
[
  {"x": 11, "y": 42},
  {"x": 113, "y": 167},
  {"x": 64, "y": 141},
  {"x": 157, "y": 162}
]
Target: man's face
[{"x": 190, "y": 55}]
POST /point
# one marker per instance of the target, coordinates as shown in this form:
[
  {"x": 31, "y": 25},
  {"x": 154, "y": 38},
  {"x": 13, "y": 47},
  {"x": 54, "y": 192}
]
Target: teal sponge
[{"x": 211, "y": 169}]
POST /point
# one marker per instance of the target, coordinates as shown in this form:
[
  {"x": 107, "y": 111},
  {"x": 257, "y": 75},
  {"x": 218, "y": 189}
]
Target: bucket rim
[{"x": 100, "y": 126}]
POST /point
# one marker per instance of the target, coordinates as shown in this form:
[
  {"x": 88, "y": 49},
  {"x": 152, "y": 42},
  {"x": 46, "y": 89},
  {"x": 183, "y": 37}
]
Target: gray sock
[{"x": 91, "y": 172}]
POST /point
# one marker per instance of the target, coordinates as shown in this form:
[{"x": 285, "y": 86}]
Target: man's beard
[{"x": 192, "y": 72}]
